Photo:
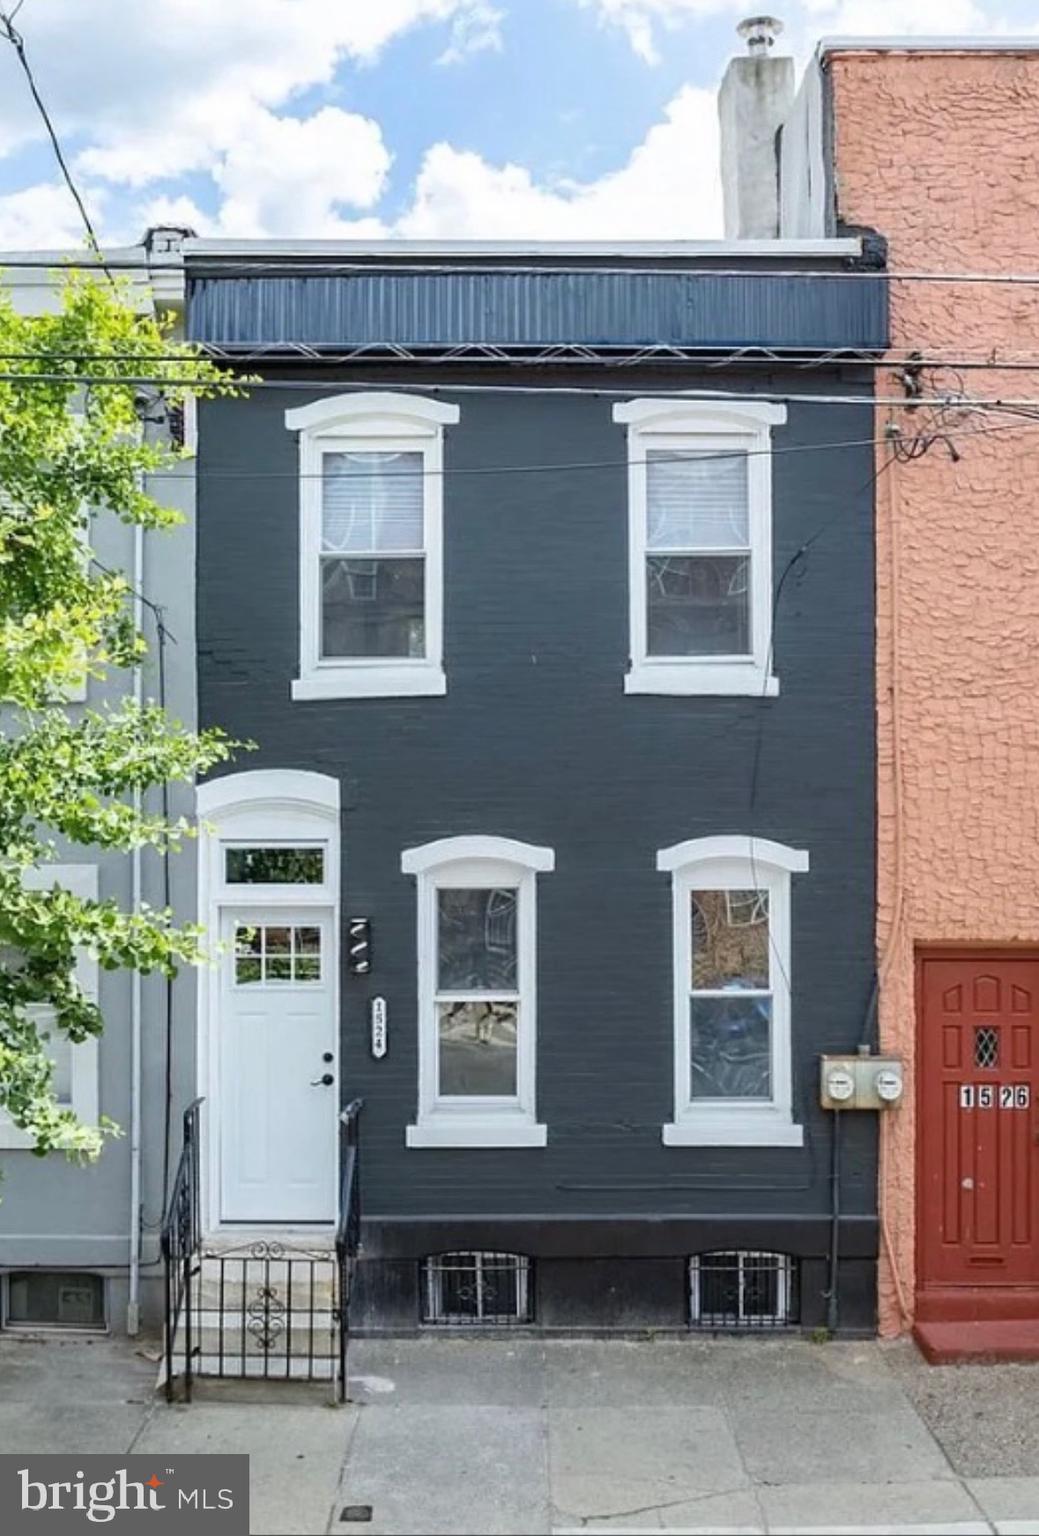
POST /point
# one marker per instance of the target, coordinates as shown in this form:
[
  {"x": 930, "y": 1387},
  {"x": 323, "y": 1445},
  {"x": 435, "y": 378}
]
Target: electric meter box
[{"x": 861, "y": 1082}]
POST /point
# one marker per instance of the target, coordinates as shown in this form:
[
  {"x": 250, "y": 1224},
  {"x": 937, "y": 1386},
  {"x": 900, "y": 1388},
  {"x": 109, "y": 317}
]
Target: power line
[
  {"x": 716, "y": 396},
  {"x": 15, "y": 38},
  {"x": 1026, "y": 424}
]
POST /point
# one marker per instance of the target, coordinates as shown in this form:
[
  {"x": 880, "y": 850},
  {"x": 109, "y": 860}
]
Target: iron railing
[
  {"x": 266, "y": 1309},
  {"x": 348, "y": 1231},
  {"x": 181, "y": 1243}
]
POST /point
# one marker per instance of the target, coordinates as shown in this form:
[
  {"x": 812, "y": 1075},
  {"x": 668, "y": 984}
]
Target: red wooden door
[{"x": 978, "y": 1100}]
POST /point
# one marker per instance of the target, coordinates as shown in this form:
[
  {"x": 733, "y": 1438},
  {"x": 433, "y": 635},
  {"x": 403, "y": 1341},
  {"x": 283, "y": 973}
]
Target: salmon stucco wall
[{"x": 940, "y": 153}]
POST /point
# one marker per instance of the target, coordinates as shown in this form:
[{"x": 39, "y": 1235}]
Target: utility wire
[{"x": 15, "y": 38}]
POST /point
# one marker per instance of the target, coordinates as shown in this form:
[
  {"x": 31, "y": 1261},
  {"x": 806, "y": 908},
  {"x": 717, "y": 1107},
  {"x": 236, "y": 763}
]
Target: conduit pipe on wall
[{"x": 894, "y": 927}]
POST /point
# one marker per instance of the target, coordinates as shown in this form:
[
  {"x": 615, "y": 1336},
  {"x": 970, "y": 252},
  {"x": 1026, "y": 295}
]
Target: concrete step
[
  {"x": 304, "y": 1293},
  {"x": 294, "y": 1369},
  {"x": 1014, "y": 1339}
]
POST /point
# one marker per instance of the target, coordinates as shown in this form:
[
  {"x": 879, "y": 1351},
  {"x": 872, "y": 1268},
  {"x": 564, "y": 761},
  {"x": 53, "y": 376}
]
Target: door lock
[
  {"x": 325, "y": 1081},
  {"x": 327, "y": 1057}
]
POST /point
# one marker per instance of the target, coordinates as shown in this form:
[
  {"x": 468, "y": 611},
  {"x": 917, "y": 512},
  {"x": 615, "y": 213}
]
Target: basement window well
[
  {"x": 38, "y": 1298},
  {"x": 476, "y": 1290},
  {"x": 738, "y": 1291}
]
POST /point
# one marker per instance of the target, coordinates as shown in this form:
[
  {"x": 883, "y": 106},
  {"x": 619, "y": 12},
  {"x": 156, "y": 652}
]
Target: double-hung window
[
  {"x": 732, "y": 991},
  {"x": 700, "y": 545},
  {"x": 371, "y": 565},
  {"x": 477, "y": 992}
]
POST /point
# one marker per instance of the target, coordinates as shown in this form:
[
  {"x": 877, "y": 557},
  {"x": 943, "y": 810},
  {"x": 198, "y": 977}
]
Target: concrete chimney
[{"x": 755, "y": 96}]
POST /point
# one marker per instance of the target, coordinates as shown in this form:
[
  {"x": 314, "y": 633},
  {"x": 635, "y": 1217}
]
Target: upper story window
[
  {"x": 371, "y": 561},
  {"x": 700, "y": 545},
  {"x": 477, "y": 992},
  {"x": 732, "y": 992}
]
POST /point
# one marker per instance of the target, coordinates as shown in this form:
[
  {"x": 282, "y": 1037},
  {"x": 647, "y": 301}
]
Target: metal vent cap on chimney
[{"x": 760, "y": 33}]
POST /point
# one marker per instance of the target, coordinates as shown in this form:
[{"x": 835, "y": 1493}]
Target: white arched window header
[
  {"x": 721, "y": 416},
  {"x": 373, "y": 412},
  {"x": 314, "y": 791},
  {"x": 455, "y": 850},
  {"x": 756, "y": 851}
]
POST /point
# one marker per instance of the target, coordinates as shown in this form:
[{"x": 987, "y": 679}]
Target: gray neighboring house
[{"x": 80, "y": 1246}]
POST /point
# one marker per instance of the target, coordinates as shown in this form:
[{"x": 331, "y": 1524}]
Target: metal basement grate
[
  {"x": 482, "y": 1290},
  {"x": 745, "y": 1291}
]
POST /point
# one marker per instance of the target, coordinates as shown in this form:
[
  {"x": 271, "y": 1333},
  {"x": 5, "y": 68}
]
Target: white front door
[{"x": 278, "y": 1066}]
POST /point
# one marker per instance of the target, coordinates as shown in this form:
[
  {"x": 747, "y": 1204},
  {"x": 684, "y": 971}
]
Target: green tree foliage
[{"x": 67, "y": 446}]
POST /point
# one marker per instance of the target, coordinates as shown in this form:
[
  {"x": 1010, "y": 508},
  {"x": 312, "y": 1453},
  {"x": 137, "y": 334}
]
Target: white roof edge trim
[
  {"x": 235, "y": 791},
  {"x": 953, "y": 44},
  {"x": 846, "y": 245},
  {"x": 735, "y": 414},
  {"x": 337, "y": 410},
  {"x": 756, "y": 850},
  {"x": 452, "y": 850}
]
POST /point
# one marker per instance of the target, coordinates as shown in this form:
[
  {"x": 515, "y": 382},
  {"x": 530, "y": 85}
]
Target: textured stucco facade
[{"x": 939, "y": 152}]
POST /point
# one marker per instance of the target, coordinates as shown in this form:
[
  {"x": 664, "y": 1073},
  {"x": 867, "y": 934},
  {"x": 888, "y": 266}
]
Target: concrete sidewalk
[{"x": 528, "y": 1436}]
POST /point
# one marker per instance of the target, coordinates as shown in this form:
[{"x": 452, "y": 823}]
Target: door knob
[{"x": 325, "y": 1081}]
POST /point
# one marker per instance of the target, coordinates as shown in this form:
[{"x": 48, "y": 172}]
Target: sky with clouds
[{"x": 437, "y": 119}]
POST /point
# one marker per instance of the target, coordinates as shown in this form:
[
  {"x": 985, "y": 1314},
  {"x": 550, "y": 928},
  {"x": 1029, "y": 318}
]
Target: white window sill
[
  {"x": 404, "y": 681},
  {"x": 459, "y": 1131},
  {"x": 734, "y": 1128},
  {"x": 698, "y": 677}
]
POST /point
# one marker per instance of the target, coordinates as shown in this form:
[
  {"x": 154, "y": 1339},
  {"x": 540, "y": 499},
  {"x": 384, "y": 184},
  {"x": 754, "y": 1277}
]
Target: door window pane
[
  {"x": 477, "y": 1049},
  {"x": 275, "y": 953},
  {"x": 729, "y": 940},
  {"x": 274, "y": 866},
  {"x": 698, "y": 605},
  {"x": 476, "y": 940},
  {"x": 730, "y": 1039},
  {"x": 372, "y": 607}
]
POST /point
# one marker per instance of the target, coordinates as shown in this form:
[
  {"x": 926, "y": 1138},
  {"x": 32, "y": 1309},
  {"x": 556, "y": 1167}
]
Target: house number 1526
[{"x": 986, "y": 1095}]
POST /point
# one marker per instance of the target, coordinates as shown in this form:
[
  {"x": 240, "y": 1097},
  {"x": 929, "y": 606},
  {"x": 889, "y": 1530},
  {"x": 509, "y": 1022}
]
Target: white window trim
[
  {"x": 358, "y": 423},
  {"x": 734, "y": 863},
  {"x": 268, "y": 806},
  {"x": 707, "y": 426},
  {"x": 80, "y": 880},
  {"x": 477, "y": 861}
]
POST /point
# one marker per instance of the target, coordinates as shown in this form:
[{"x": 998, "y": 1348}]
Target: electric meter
[
  {"x": 840, "y": 1085},
  {"x": 888, "y": 1084}
]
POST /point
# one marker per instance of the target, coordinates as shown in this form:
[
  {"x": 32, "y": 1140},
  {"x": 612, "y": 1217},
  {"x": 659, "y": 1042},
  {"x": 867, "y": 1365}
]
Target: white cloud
[
  {"x": 157, "y": 89},
  {"x": 668, "y": 188},
  {"x": 642, "y": 20},
  {"x": 477, "y": 29},
  {"x": 43, "y": 217}
]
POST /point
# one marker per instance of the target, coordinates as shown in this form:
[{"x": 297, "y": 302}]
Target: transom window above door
[
  {"x": 700, "y": 545},
  {"x": 278, "y": 953},
  {"x": 371, "y": 565},
  {"x": 277, "y": 864}
]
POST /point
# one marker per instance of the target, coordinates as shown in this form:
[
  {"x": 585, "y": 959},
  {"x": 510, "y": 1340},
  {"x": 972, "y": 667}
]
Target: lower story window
[
  {"x": 490, "y": 1290},
  {"x": 737, "y": 1290},
  {"x": 39, "y": 1298}
]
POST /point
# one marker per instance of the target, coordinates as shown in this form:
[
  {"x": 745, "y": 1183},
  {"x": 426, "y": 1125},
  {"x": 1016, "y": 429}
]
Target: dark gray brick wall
[{"x": 536, "y": 740}]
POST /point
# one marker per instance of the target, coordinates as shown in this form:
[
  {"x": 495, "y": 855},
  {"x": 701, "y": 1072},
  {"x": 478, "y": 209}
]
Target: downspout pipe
[{"x": 133, "y": 1306}]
